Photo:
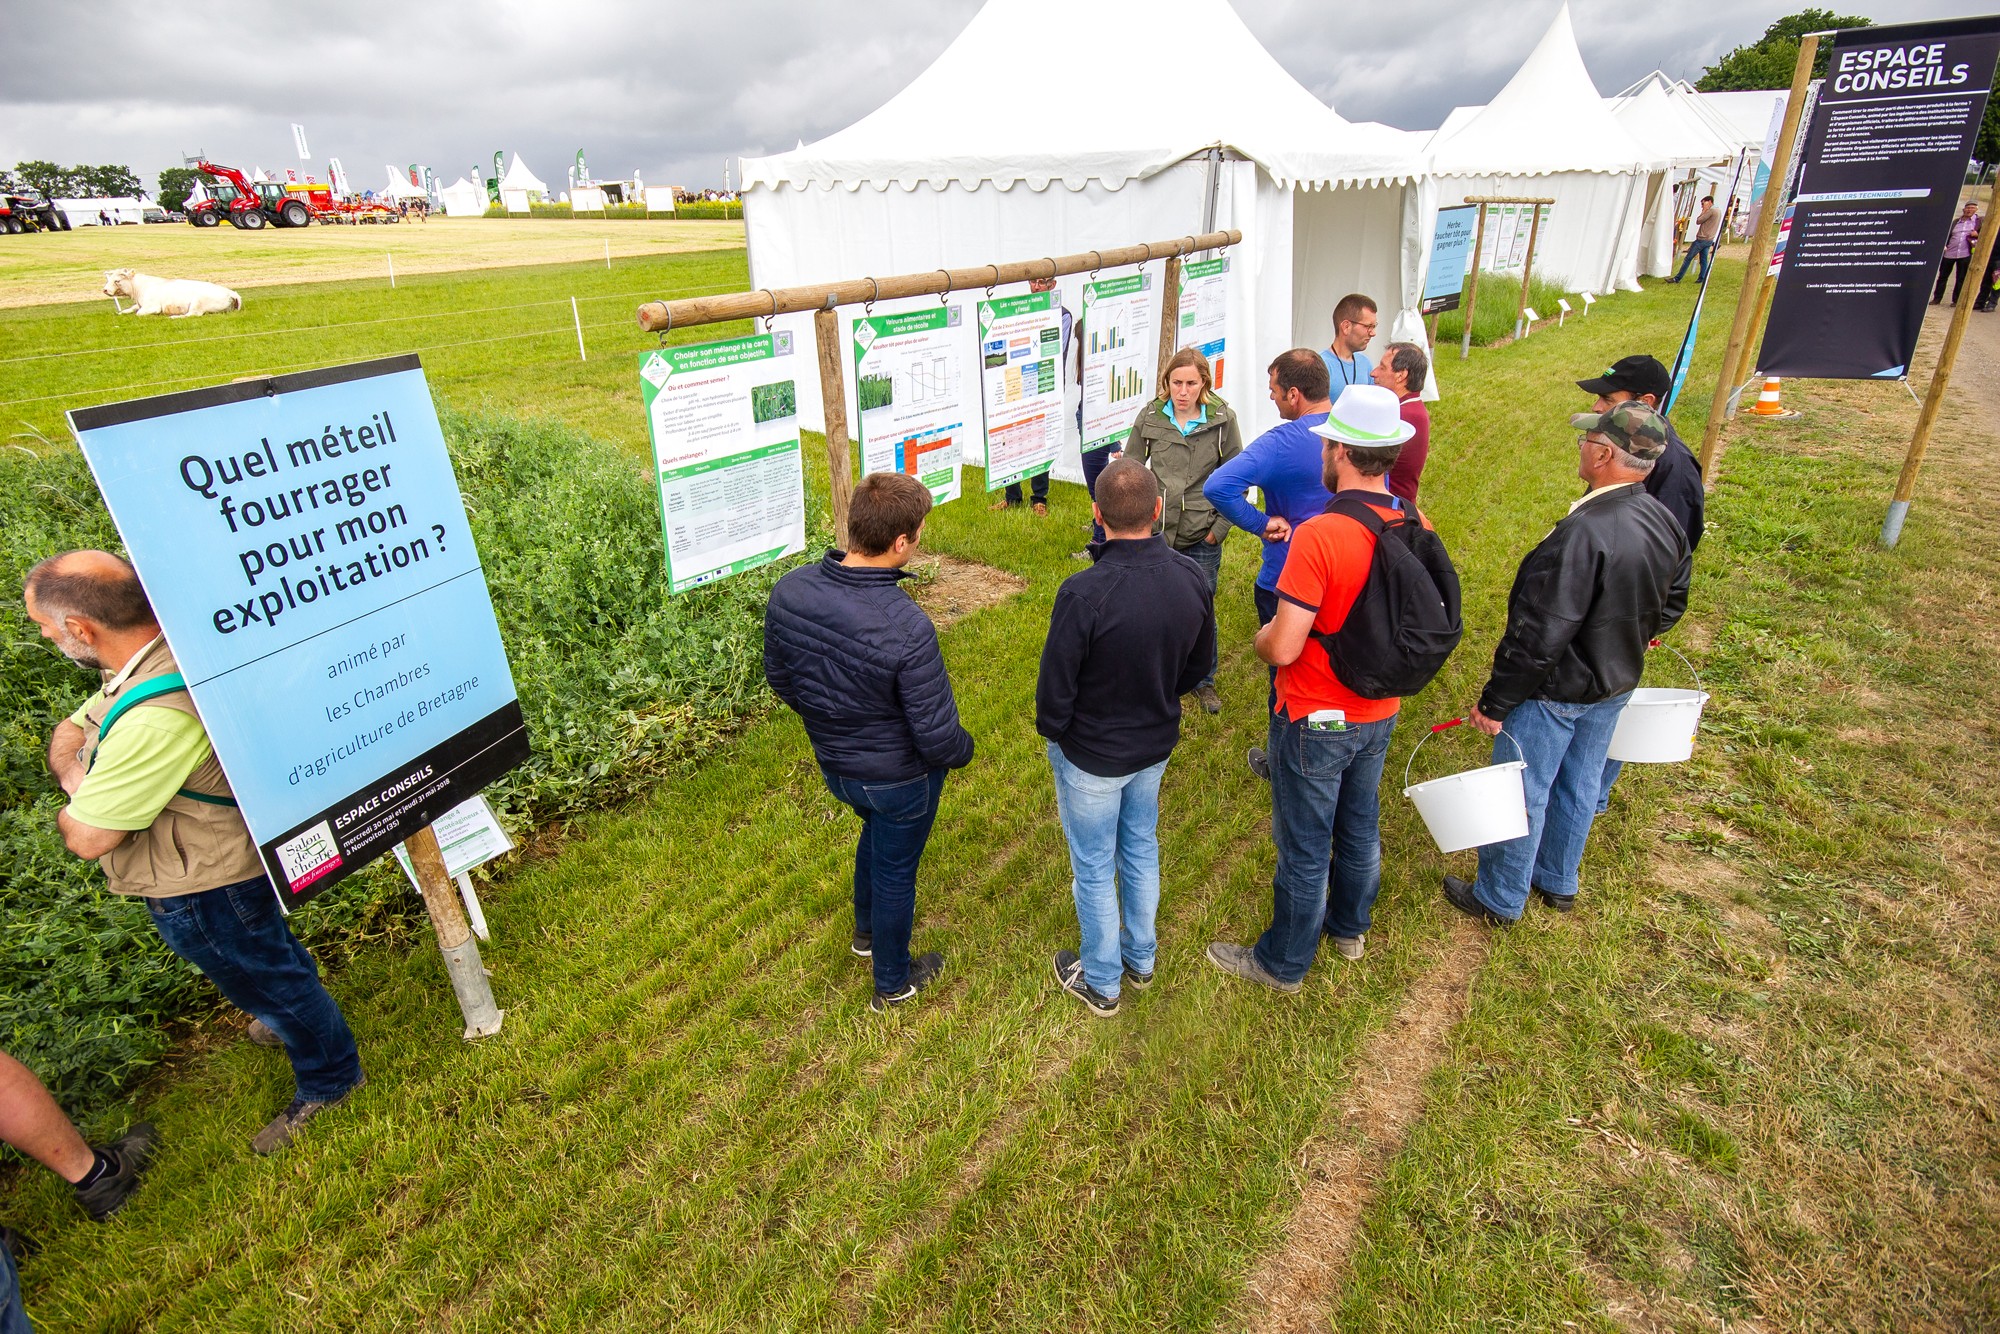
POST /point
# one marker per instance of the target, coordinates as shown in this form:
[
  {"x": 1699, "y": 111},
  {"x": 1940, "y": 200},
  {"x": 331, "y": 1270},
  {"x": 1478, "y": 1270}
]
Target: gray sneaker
[
  {"x": 262, "y": 1036},
  {"x": 1241, "y": 961},
  {"x": 1260, "y": 763},
  {"x": 1350, "y": 947},
  {"x": 278, "y": 1133}
]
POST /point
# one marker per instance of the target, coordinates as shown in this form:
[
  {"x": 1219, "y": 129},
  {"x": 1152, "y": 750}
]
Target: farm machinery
[
  {"x": 254, "y": 204},
  {"x": 24, "y": 210}
]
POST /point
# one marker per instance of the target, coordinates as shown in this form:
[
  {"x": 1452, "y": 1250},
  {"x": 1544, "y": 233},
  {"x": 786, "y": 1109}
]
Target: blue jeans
[
  {"x": 896, "y": 821},
  {"x": 1564, "y": 747},
  {"x": 1612, "y": 769},
  {"x": 1208, "y": 555},
  {"x": 1112, "y": 825},
  {"x": 1705, "y": 249},
  {"x": 1094, "y": 464},
  {"x": 13, "y": 1315},
  {"x": 1325, "y": 798},
  {"x": 238, "y": 938},
  {"x": 1267, "y": 611}
]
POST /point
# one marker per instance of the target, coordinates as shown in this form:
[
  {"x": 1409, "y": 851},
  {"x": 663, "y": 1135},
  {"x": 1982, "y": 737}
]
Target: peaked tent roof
[
  {"x": 518, "y": 177},
  {"x": 400, "y": 187},
  {"x": 1549, "y": 118},
  {"x": 1668, "y": 128},
  {"x": 1747, "y": 113},
  {"x": 1004, "y": 104}
]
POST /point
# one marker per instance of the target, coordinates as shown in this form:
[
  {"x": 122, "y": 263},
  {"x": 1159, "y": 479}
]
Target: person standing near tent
[
  {"x": 1610, "y": 576},
  {"x": 1347, "y": 361},
  {"x": 1958, "y": 244},
  {"x": 1402, "y": 373},
  {"x": 1707, "y": 226},
  {"x": 1183, "y": 435}
]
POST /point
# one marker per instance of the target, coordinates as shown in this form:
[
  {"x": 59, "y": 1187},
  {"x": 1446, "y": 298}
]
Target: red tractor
[{"x": 246, "y": 203}]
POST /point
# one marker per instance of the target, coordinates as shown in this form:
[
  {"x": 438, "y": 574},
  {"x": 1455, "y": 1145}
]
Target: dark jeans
[
  {"x": 1325, "y": 799},
  {"x": 1267, "y": 611},
  {"x": 13, "y": 1315},
  {"x": 1705, "y": 249},
  {"x": 1038, "y": 487},
  {"x": 238, "y": 938},
  {"x": 1208, "y": 555},
  {"x": 896, "y": 821},
  {"x": 1094, "y": 464},
  {"x": 1945, "y": 271}
]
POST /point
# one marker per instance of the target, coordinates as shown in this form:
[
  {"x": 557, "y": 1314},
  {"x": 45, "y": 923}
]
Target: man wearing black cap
[{"x": 1675, "y": 480}]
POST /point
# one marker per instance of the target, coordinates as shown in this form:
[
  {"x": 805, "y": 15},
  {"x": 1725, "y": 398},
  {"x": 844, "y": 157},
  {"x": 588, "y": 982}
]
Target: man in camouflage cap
[{"x": 1611, "y": 575}]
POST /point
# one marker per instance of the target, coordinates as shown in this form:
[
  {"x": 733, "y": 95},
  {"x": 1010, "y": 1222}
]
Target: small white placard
[{"x": 469, "y": 836}]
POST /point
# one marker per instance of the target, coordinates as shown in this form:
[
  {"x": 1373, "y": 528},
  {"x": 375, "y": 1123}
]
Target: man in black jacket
[
  {"x": 859, "y": 661},
  {"x": 1127, "y": 638},
  {"x": 1610, "y": 576}
]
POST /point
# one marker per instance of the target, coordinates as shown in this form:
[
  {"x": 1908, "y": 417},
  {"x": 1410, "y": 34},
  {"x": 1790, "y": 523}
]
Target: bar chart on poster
[
  {"x": 911, "y": 408},
  {"x": 1119, "y": 349}
]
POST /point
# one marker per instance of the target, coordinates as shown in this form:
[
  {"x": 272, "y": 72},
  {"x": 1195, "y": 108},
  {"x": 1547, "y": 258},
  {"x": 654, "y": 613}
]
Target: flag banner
[
  {"x": 1884, "y": 159},
  {"x": 299, "y": 138}
]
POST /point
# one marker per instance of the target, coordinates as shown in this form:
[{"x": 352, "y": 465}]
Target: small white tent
[
  {"x": 1007, "y": 148},
  {"x": 400, "y": 187},
  {"x": 1654, "y": 113},
  {"x": 1549, "y": 133},
  {"x": 463, "y": 199},
  {"x": 519, "y": 187}
]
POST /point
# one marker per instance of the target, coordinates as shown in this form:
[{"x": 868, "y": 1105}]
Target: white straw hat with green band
[{"x": 1366, "y": 416}]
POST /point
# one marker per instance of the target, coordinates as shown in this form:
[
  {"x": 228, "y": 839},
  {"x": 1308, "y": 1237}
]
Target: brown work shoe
[{"x": 282, "y": 1127}]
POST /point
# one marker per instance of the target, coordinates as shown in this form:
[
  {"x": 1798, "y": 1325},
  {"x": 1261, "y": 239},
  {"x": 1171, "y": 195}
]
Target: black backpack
[{"x": 1404, "y": 622}]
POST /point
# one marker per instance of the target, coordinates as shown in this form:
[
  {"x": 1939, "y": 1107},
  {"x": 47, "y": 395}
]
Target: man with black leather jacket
[{"x": 1609, "y": 577}]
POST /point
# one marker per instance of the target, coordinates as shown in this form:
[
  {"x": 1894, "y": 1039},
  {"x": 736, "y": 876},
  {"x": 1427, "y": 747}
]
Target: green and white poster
[
  {"x": 911, "y": 408},
  {"x": 1020, "y": 346},
  {"x": 724, "y": 423},
  {"x": 1120, "y": 334},
  {"x": 1205, "y": 310}
]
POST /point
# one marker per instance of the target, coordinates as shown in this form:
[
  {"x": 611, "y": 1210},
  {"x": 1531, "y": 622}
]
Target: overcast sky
[{"x": 672, "y": 89}]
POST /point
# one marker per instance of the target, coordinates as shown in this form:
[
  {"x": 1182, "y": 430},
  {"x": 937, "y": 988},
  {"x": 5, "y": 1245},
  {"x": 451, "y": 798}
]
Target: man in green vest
[{"x": 149, "y": 803}]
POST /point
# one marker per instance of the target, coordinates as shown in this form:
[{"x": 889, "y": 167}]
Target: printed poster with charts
[
  {"x": 910, "y": 393},
  {"x": 1204, "y": 308},
  {"x": 724, "y": 422},
  {"x": 1020, "y": 344},
  {"x": 1120, "y": 353}
]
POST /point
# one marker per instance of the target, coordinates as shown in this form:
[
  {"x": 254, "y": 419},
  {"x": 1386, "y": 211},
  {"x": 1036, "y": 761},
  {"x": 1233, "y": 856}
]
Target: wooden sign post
[
  {"x": 1472, "y": 283},
  {"x": 461, "y": 952}
]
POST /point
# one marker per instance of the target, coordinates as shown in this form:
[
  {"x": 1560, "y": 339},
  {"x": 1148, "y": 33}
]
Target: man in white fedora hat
[{"x": 1327, "y": 738}]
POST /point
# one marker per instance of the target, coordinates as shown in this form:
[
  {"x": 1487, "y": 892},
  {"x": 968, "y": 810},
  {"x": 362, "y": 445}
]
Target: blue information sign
[
  {"x": 1451, "y": 248},
  {"x": 306, "y": 551}
]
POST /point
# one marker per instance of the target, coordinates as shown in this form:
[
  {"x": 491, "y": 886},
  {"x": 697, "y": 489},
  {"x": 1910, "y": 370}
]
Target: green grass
[{"x": 1761, "y": 1094}]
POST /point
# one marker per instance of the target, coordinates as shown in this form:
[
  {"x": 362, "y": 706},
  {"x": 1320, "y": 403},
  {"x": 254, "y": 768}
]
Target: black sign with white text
[{"x": 1884, "y": 159}]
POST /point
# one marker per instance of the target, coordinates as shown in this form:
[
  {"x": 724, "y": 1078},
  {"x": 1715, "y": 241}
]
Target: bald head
[{"x": 91, "y": 605}]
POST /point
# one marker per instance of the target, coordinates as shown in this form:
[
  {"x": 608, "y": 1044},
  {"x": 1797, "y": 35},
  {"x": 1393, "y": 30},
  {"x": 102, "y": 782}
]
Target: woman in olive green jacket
[{"x": 1183, "y": 435}]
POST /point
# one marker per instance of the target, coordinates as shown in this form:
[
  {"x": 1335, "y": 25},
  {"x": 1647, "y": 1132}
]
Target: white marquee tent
[
  {"x": 1006, "y": 149},
  {"x": 1664, "y": 122},
  {"x": 519, "y": 186},
  {"x": 1550, "y": 133},
  {"x": 400, "y": 187},
  {"x": 463, "y": 199}
]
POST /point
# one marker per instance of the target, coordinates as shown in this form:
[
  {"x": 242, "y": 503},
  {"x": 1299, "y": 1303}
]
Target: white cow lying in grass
[{"x": 167, "y": 296}]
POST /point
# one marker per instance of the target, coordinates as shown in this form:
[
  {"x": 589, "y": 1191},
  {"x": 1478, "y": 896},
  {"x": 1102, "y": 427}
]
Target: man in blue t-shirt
[
  {"x": 1284, "y": 463},
  {"x": 1347, "y": 361}
]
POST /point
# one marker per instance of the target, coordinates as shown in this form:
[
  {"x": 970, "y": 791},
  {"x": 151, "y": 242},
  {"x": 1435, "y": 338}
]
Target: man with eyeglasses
[
  {"x": 1610, "y": 576},
  {"x": 1347, "y": 361}
]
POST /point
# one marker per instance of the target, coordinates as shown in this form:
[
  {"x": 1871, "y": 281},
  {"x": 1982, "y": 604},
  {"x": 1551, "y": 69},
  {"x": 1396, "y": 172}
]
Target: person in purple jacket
[{"x": 1284, "y": 464}]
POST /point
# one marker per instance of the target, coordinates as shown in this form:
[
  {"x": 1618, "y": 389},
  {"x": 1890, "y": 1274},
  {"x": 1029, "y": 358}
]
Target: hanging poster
[
  {"x": 1120, "y": 353},
  {"x": 1020, "y": 346},
  {"x": 1507, "y": 228},
  {"x": 724, "y": 423},
  {"x": 1524, "y": 232},
  {"x": 1884, "y": 159},
  {"x": 1451, "y": 252},
  {"x": 911, "y": 405},
  {"x": 1204, "y": 310},
  {"x": 306, "y": 552}
]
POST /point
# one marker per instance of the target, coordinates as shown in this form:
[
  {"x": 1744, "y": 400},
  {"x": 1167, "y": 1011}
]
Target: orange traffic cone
[{"x": 1768, "y": 404}]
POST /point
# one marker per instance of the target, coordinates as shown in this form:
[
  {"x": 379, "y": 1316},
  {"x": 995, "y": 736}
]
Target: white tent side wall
[{"x": 1590, "y": 236}]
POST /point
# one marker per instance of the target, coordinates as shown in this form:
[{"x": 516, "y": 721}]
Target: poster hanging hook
[
  {"x": 669, "y": 326},
  {"x": 774, "y": 309},
  {"x": 996, "y": 281},
  {"x": 944, "y": 297},
  {"x": 1096, "y": 263},
  {"x": 874, "y": 290},
  {"x": 1050, "y": 261}
]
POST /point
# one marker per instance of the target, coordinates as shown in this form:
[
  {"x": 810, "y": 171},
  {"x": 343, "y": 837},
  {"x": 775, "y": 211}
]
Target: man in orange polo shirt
[{"x": 1327, "y": 744}]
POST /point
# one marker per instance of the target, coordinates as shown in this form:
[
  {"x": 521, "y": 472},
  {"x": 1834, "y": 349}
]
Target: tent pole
[
  {"x": 1760, "y": 256},
  {"x": 1214, "y": 188}
]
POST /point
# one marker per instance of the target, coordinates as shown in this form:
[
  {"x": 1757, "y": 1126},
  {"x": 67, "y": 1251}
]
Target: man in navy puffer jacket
[{"x": 859, "y": 662}]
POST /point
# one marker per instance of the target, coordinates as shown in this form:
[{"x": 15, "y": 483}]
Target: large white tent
[
  {"x": 1655, "y": 113},
  {"x": 463, "y": 199},
  {"x": 519, "y": 186},
  {"x": 1006, "y": 148},
  {"x": 1550, "y": 133},
  {"x": 400, "y": 188}
]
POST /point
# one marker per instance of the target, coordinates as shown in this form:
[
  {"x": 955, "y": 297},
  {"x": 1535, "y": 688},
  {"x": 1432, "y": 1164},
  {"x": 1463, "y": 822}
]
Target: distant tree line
[{"x": 78, "y": 182}]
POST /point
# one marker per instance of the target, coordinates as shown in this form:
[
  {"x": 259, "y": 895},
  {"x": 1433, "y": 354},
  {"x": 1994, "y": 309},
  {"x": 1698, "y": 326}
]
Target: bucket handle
[
  {"x": 1446, "y": 727},
  {"x": 1661, "y": 643}
]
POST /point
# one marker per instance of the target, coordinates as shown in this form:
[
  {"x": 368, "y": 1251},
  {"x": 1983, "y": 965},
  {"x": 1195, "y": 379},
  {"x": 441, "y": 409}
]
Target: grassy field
[
  {"x": 57, "y": 267},
  {"x": 1750, "y": 1084}
]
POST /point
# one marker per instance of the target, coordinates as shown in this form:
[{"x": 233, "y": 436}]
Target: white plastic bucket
[
  {"x": 1657, "y": 726},
  {"x": 1474, "y": 808}
]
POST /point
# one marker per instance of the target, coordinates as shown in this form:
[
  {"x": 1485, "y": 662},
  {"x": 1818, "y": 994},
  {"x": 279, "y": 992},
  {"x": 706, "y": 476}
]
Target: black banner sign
[{"x": 1884, "y": 159}]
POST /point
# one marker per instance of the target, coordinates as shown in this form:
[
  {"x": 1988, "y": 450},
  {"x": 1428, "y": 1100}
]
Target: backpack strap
[
  {"x": 1362, "y": 512},
  {"x": 151, "y": 688}
]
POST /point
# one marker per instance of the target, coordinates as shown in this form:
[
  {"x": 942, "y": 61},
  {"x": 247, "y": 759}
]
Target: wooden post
[
  {"x": 1472, "y": 285},
  {"x": 1170, "y": 316},
  {"x": 1527, "y": 268},
  {"x": 461, "y": 952},
  {"x": 833, "y": 402},
  {"x": 1760, "y": 256},
  {"x": 1961, "y": 315}
]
